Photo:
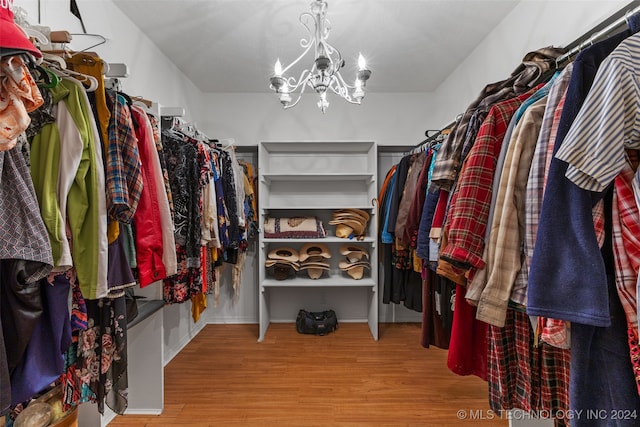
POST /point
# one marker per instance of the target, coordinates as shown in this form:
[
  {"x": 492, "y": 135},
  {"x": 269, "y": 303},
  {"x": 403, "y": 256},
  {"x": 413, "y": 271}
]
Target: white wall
[
  {"x": 152, "y": 74},
  {"x": 388, "y": 119}
]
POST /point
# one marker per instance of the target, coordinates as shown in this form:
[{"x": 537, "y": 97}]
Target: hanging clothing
[
  {"x": 476, "y": 285},
  {"x": 416, "y": 164},
  {"x": 414, "y": 214},
  {"x": 231, "y": 203},
  {"x": 469, "y": 207},
  {"x": 155, "y": 127},
  {"x": 534, "y": 69},
  {"x": 71, "y": 384},
  {"x": 25, "y": 258},
  {"x": 147, "y": 221},
  {"x": 165, "y": 200},
  {"x": 87, "y": 220},
  {"x": 20, "y": 95},
  {"x": 184, "y": 165},
  {"x": 437, "y": 309},
  {"x": 102, "y": 356},
  {"x": 56, "y": 152},
  {"x": 43, "y": 361},
  {"x": 123, "y": 176},
  {"x": 552, "y": 331},
  {"x": 468, "y": 345},
  {"x": 507, "y": 236},
  {"x": 556, "y": 289},
  {"x": 523, "y": 375},
  {"x": 99, "y": 198},
  {"x": 210, "y": 233}
]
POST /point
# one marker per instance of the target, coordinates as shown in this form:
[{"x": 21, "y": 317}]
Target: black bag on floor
[{"x": 316, "y": 323}]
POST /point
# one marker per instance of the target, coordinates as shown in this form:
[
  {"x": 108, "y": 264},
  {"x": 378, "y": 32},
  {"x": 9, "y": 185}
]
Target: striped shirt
[
  {"x": 539, "y": 164},
  {"x": 608, "y": 122}
]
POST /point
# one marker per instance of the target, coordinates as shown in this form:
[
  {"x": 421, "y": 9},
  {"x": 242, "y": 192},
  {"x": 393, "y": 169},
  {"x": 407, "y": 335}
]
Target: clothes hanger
[
  {"x": 82, "y": 78},
  {"x": 126, "y": 97},
  {"x": 227, "y": 143},
  {"x": 51, "y": 58},
  {"x": 33, "y": 33},
  {"x": 113, "y": 83},
  {"x": 102, "y": 41},
  {"x": 138, "y": 102},
  {"x": 21, "y": 21},
  {"x": 45, "y": 77}
]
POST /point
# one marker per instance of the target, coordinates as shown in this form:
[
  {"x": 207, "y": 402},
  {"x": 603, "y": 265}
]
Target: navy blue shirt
[{"x": 567, "y": 279}]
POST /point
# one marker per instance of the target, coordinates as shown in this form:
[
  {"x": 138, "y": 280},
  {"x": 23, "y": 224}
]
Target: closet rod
[
  {"x": 442, "y": 131},
  {"x": 611, "y": 25}
]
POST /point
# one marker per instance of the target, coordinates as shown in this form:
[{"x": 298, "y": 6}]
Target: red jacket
[{"x": 148, "y": 229}]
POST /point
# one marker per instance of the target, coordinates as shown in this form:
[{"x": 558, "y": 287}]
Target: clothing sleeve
[
  {"x": 594, "y": 146},
  {"x": 469, "y": 208}
]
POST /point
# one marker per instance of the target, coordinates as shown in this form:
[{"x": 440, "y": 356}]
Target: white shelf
[
  {"x": 289, "y": 177},
  {"x": 317, "y": 147},
  {"x": 330, "y": 239},
  {"x": 369, "y": 208},
  {"x": 305, "y": 282},
  {"x": 315, "y": 178}
]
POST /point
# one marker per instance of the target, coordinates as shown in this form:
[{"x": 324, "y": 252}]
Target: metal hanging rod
[{"x": 615, "y": 23}]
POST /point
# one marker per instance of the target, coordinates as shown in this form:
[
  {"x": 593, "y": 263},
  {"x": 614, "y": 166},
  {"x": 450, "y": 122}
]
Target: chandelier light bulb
[
  {"x": 323, "y": 104},
  {"x": 278, "y": 68},
  {"x": 362, "y": 63}
]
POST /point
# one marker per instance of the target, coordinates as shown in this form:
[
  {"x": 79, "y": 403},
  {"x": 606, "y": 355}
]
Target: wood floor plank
[{"x": 224, "y": 377}]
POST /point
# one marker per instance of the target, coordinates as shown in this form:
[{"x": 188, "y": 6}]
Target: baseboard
[
  {"x": 173, "y": 352},
  {"x": 143, "y": 411},
  {"x": 232, "y": 321}
]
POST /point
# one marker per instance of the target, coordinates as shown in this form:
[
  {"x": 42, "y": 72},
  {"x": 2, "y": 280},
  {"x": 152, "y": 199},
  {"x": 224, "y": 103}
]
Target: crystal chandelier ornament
[{"x": 324, "y": 74}]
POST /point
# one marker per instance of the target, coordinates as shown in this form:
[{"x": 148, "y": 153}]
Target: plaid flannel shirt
[
  {"x": 123, "y": 174},
  {"x": 469, "y": 208}
]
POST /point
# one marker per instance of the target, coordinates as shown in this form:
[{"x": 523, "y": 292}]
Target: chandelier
[{"x": 324, "y": 74}]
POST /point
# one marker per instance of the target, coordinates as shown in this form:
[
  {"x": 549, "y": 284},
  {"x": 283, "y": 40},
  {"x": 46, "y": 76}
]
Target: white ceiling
[{"x": 232, "y": 45}]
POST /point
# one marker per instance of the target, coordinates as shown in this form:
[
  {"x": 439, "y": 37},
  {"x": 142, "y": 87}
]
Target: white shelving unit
[{"x": 314, "y": 178}]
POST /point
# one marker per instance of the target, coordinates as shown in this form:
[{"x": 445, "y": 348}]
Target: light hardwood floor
[{"x": 224, "y": 377}]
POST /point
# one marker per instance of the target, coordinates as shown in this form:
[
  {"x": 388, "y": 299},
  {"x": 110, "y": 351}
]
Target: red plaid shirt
[
  {"x": 626, "y": 252},
  {"x": 469, "y": 208},
  {"x": 523, "y": 375}
]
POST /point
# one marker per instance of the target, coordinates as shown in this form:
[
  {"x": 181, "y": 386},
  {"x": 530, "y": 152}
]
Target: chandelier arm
[
  {"x": 343, "y": 83},
  {"x": 294, "y": 84},
  {"x": 293, "y": 104},
  {"x": 304, "y": 43},
  {"x": 306, "y": 50},
  {"x": 340, "y": 90},
  {"x": 346, "y": 97}
]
